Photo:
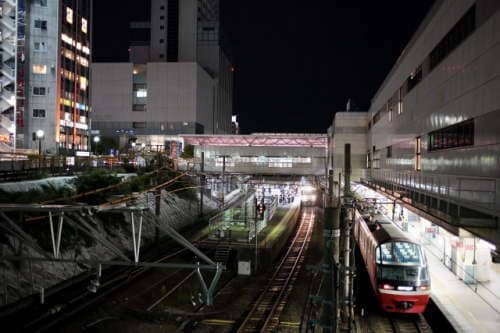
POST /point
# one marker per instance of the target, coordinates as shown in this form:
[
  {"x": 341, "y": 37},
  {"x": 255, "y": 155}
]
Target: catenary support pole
[
  {"x": 347, "y": 169},
  {"x": 223, "y": 177},
  {"x": 202, "y": 181}
]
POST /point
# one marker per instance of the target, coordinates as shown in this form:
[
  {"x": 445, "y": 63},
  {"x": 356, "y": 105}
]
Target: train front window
[
  {"x": 399, "y": 253},
  {"x": 402, "y": 263},
  {"x": 402, "y": 274}
]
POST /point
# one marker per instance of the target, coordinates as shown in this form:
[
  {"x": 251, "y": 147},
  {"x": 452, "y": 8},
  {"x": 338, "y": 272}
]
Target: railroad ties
[
  {"x": 266, "y": 311},
  {"x": 390, "y": 323}
]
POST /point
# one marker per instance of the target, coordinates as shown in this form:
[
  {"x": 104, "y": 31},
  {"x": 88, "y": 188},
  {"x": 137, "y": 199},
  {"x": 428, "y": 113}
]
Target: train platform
[{"x": 470, "y": 306}]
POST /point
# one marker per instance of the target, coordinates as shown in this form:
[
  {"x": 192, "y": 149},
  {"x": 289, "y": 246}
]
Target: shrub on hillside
[{"x": 94, "y": 179}]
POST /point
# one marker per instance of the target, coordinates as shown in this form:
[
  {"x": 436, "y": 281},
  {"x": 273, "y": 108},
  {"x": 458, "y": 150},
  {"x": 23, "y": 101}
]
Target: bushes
[
  {"x": 47, "y": 192},
  {"x": 93, "y": 180}
]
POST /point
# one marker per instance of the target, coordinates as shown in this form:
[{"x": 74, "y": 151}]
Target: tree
[
  {"x": 105, "y": 144},
  {"x": 188, "y": 152}
]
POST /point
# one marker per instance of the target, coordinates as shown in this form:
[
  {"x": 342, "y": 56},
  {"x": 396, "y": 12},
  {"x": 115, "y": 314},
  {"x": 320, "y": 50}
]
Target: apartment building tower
[{"x": 49, "y": 49}]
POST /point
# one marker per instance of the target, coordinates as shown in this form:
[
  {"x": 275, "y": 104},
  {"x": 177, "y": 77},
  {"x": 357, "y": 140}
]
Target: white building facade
[
  {"x": 433, "y": 131},
  {"x": 177, "y": 81}
]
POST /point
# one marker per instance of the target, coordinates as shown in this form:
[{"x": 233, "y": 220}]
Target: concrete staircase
[{"x": 222, "y": 252}]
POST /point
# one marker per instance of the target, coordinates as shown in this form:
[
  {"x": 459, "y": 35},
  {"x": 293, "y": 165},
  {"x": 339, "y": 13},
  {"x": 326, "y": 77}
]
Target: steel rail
[{"x": 276, "y": 288}]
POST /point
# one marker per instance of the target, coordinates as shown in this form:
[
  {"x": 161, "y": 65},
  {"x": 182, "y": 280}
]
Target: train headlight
[
  {"x": 387, "y": 286},
  {"x": 423, "y": 288}
]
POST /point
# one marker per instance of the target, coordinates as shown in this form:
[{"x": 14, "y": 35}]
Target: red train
[{"x": 396, "y": 265}]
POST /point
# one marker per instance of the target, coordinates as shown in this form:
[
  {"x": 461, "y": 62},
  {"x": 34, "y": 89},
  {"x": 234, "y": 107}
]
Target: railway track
[
  {"x": 67, "y": 303},
  {"x": 397, "y": 324},
  {"x": 264, "y": 315}
]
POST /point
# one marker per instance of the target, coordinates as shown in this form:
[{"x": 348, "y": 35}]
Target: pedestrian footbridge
[{"x": 261, "y": 153}]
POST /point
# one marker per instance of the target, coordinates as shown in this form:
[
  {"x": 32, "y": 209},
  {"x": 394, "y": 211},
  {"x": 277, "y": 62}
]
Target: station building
[{"x": 432, "y": 136}]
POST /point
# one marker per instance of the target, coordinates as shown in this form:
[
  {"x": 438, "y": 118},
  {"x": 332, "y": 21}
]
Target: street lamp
[
  {"x": 39, "y": 135},
  {"x": 96, "y": 139}
]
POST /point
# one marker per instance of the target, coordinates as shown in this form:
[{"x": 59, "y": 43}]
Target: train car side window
[{"x": 379, "y": 255}]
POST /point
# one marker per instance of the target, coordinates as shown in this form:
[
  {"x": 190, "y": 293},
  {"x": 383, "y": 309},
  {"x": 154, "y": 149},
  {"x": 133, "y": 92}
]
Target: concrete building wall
[
  {"x": 464, "y": 85},
  {"x": 188, "y": 23},
  {"x": 350, "y": 127},
  {"x": 111, "y": 92},
  {"x": 224, "y": 95},
  {"x": 205, "y": 100},
  {"x": 158, "y": 42},
  {"x": 179, "y": 98},
  {"x": 49, "y": 58},
  {"x": 172, "y": 92}
]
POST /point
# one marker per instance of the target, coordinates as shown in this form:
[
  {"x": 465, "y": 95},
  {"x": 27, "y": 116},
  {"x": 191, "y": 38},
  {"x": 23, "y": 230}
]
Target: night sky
[{"x": 297, "y": 62}]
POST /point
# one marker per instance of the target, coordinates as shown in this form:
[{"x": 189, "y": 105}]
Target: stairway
[{"x": 222, "y": 252}]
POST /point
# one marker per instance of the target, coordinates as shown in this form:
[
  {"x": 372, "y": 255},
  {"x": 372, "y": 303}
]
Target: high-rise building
[
  {"x": 45, "y": 74},
  {"x": 178, "y": 79}
]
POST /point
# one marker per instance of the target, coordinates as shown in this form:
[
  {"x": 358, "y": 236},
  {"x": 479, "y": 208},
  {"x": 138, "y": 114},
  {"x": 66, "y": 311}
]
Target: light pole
[
  {"x": 39, "y": 135},
  {"x": 93, "y": 149},
  {"x": 96, "y": 139},
  {"x": 133, "y": 144}
]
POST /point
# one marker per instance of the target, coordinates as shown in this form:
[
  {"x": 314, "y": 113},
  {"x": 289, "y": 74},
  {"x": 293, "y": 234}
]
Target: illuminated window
[
  {"x": 418, "y": 154},
  {"x": 82, "y": 61},
  {"x": 400, "y": 102},
  {"x": 69, "y": 54},
  {"x": 84, "y": 25},
  {"x": 69, "y": 15},
  {"x": 39, "y": 69},
  {"x": 141, "y": 93},
  {"x": 83, "y": 83},
  {"x": 68, "y": 40},
  {"x": 389, "y": 110}
]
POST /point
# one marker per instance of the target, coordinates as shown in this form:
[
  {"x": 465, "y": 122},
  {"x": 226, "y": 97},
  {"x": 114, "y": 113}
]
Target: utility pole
[
  {"x": 347, "y": 169},
  {"x": 223, "y": 176},
  {"x": 157, "y": 195},
  {"x": 347, "y": 270},
  {"x": 331, "y": 260},
  {"x": 256, "y": 237},
  {"x": 202, "y": 181}
]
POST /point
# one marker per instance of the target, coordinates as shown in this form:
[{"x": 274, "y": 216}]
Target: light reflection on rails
[{"x": 266, "y": 311}]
